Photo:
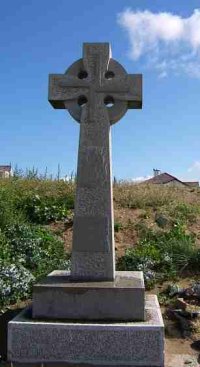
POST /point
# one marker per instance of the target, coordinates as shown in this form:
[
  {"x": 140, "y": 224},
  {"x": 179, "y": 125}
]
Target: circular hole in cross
[
  {"x": 109, "y": 74},
  {"x": 82, "y": 74},
  {"x": 82, "y": 100},
  {"x": 109, "y": 101}
]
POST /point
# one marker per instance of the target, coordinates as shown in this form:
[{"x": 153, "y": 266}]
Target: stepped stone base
[
  {"x": 58, "y": 297},
  {"x": 91, "y": 343}
]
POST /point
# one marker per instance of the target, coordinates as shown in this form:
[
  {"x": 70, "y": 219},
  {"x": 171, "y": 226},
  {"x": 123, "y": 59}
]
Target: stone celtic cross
[{"x": 97, "y": 91}]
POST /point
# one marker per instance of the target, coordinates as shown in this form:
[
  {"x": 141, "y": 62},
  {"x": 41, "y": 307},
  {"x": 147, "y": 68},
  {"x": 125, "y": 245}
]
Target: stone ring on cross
[{"x": 94, "y": 84}]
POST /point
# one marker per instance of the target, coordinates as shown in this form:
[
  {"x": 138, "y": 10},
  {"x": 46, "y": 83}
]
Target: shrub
[
  {"x": 38, "y": 201},
  {"x": 185, "y": 212},
  {"x": 117, "y": 226},
  {"x": 161, "y": 255},
  {"x": 8, "y": 212},
  {"x": 15, "y": 283},
  {"x": 4, "y": 249},
  {"x": 46, "y": 209},
  {"x": 27, "y": 253},
  {"x": 33, "y": 247}
]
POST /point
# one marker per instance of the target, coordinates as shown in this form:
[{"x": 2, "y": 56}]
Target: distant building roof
[
  {"x": 5, "y": 168},
  {"x": 165, "y": 178}
]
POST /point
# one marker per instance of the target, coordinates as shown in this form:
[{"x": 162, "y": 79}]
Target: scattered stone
[
  {"x": 190, "y": 292},
  {"x": 196, "y": 345},
  {"x": 181, "y": 360},
  {"x": 187, "y": 314},
  {"x": 181, "y": 304},
  {"x": 196, "y": 289},
  {"x": 174, "y": 289},
  {"x": 184, "y": 323},
  {"x": 188, "y": 361},
  {"x": 161, "y": 220}
]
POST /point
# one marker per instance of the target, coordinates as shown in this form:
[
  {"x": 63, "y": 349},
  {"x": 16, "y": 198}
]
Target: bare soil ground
[
  {"x": 175, "y": 342},
  {"x": 126, "y": 236}
]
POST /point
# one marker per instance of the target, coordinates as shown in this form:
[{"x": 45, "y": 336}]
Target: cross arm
[
  {"x": 125, "y": 88},
  {"x": 64, "y": 88},
  {"x": 136, "y": 91}
]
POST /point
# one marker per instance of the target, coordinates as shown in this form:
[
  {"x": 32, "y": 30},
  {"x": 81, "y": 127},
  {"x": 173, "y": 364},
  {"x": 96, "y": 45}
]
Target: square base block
[
  {"x": 91, "y": 343},
  {"x": 58, "y": 297}
]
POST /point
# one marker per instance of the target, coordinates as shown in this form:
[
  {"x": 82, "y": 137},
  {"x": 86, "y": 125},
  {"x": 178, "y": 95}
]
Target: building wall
[
  {"x": 5, "y": 174},
  {"x": 175, "y": 183}
]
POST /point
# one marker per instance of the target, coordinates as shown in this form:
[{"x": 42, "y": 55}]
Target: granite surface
[
  {"x": 97, "y": 92},
  {"x": 58, "y": 297},
  {"x": 118, "y": 343}
]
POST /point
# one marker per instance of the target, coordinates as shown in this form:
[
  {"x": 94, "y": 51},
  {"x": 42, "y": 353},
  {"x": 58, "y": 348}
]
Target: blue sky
[{"x": 159, "y": 39}]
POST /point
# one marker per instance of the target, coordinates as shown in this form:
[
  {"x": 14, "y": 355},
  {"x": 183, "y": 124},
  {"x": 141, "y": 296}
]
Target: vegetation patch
[
  {"x": 144, "y": 196},
  {"x": 28, "y": 249},
  {"x": 162, "y": 255},
  {"x": 27, "y": 253},
  {"x": 156, "y": 222},
  {"x": 45, "y": 209}
]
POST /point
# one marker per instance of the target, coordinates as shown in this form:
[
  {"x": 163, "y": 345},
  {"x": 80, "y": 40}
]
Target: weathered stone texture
[
  {"x": 131, "y": 343},
  {"x": 92, "y": 266},
  {"x": 86, "y": 89},
  {"x": 93, "y": 200},
  {"x": 57, "y": 297},
  {"x": 98, "y": 230}
]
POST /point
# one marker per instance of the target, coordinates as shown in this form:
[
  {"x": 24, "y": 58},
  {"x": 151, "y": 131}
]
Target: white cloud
[
  {"x": 192, "y": 173},
  {"x": 140, "y": 178},
  {"x": 195, "y": 167},
  {"x": 164, "y": 41}
]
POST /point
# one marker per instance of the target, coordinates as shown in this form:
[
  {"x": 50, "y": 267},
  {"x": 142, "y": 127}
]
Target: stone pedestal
[
  {"x": 58, "y": 297},
  {"x": 93, "y": 343}
]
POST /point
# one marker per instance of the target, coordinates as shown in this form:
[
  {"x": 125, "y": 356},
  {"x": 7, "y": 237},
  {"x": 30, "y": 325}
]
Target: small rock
[
  {"x": 196, "y": 345},
  {"x": 188, "y": 361},
  {"x": 181, "y": 303},
  {"x": 173, "y": 289},
  {"x": 196, "y": 289},
  {"x": 161, "y": 220}
]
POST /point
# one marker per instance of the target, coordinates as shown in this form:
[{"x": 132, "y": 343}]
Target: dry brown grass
[
  {"x": 126, "y": 194},
  {"x": 143, "y": 196},
  {"x": 41, "y": 187}
]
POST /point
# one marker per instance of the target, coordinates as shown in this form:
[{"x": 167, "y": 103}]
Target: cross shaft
[{"x": 85, "y": 89}]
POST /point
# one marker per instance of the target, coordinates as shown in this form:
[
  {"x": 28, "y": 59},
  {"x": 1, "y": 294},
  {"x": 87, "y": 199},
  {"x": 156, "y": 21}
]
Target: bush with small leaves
[
  {"x": 161, "y": 255},
  {"x": 27, "y": 253},
  {"x": 34, "y": 247},
  {"x": 15, "y": 283},
  {"x": 46, "y": 209}
]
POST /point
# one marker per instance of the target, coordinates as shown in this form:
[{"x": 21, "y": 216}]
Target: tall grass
[{"x": 143, "y": 196}]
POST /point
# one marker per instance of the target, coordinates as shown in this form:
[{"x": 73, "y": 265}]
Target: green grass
[
  {"x": 162, "y": 255},
  {"x": 37, "y": 201}
]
